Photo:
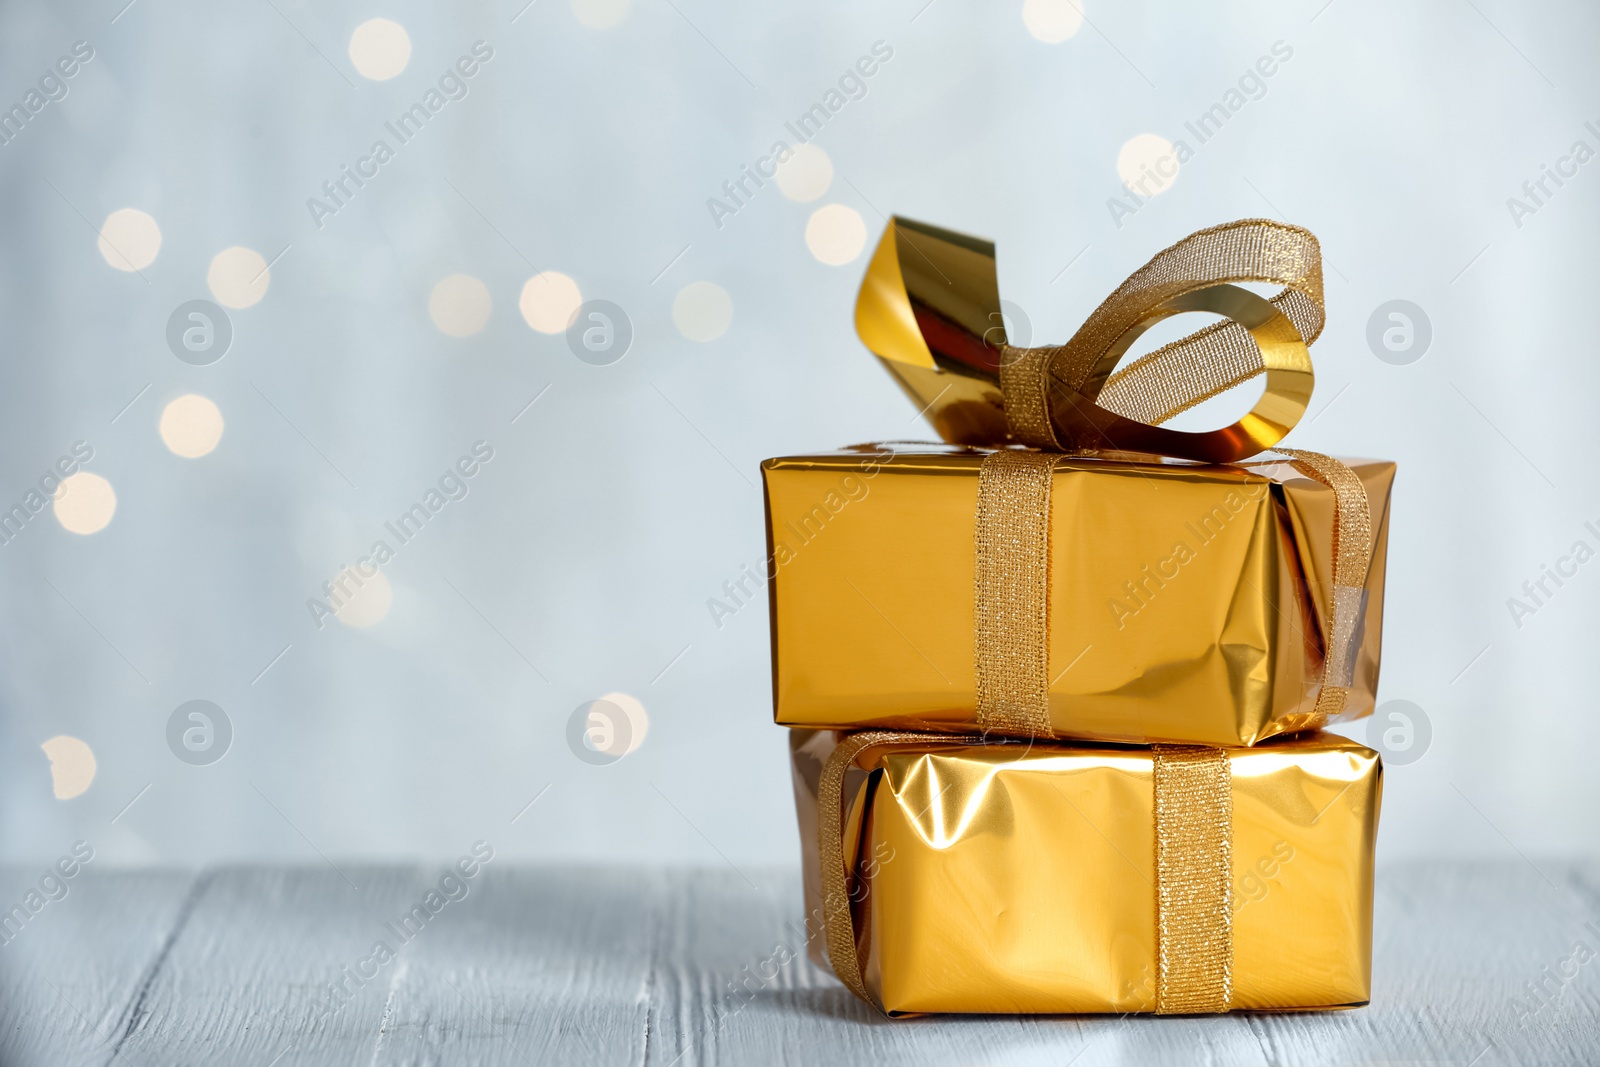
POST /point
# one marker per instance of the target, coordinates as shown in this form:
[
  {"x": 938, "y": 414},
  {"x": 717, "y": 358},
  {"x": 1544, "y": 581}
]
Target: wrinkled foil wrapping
[
  {"x": 1186, "y": 603},
  {"x": 1023, "y": 877}
]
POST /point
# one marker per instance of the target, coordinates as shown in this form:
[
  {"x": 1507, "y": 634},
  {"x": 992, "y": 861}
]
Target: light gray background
[{"x": 624, "y": 499}]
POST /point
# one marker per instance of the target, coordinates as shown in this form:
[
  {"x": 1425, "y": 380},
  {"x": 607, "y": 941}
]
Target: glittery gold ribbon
[
  {"x": 1012, "y": 598},
  {"x": 930, "y": 309},
  {"x": 1053, "y": 396},
  {"x": 1012, "y": 588},
  {"x": 1352, "y": 559},
  {"x": 1193, "y": 806},
  {"x": 1194, "y": 880},
  {"x": 837, "y": 922}
]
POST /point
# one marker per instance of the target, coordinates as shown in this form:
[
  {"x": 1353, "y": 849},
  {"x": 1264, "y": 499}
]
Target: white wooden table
[{"x": 626, "y": 966}]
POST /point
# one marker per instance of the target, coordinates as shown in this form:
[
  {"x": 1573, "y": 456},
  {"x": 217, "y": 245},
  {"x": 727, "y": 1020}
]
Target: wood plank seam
[{"x": 135, "y": 1011}]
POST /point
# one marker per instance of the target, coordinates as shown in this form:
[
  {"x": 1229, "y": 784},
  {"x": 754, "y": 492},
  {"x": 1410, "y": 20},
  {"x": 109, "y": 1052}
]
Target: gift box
[
  {"x": 951, "y": 875},
  {"x": 1184, "y": 602},
  {"x": 1068, "y": 565}
]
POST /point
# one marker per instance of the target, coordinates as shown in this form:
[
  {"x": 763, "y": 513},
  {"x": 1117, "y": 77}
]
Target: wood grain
[
  {"x": 71, "y": 975},
  {"x": 683, "y": 967}
]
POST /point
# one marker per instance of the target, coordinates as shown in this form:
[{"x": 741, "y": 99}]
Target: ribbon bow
[{"x": 930, "y": 309}]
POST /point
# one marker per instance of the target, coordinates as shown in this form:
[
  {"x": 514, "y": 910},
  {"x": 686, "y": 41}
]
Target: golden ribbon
[
  {"x": 930, "y": 309},
  {"x": 1012, "y": 595},
  {"x": 838, "y": 924},
  {"x": 1193, "y": 805},
  {"x": 1194, "y": 880},
  {"x": 1012, "y": 588},
  {"x": 1352, "y": 556}
]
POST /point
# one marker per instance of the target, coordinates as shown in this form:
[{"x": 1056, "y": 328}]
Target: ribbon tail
[
  {"x": 1352, "y": 559},
  {"x": 838, "y": 921}
]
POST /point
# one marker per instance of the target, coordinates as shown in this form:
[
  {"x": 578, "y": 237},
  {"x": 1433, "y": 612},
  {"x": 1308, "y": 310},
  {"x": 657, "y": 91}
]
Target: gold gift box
[
  {"x": 1021, "y": 878},
  {"x": 1187, "y": 603}
]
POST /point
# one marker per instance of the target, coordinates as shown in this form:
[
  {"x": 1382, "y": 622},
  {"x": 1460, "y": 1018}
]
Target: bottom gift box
[{"x": 1030, "y": 877}]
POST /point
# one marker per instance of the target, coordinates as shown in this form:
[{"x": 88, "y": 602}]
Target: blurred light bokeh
[{"x": 397, "y": 317}]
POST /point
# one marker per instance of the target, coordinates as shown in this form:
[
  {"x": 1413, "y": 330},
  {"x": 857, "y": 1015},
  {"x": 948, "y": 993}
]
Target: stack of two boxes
[{"x": 1056, "y": 717}]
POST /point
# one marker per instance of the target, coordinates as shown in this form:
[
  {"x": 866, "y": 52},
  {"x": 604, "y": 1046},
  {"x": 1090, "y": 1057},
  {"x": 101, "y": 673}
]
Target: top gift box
[{"x": 1064, "y": 565}]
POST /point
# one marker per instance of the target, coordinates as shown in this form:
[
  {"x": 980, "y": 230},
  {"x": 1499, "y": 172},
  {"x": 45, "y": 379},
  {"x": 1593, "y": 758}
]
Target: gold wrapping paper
[
  {"x": 1026, "y": 877},
  {"x": 1186, "y": 603}
]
